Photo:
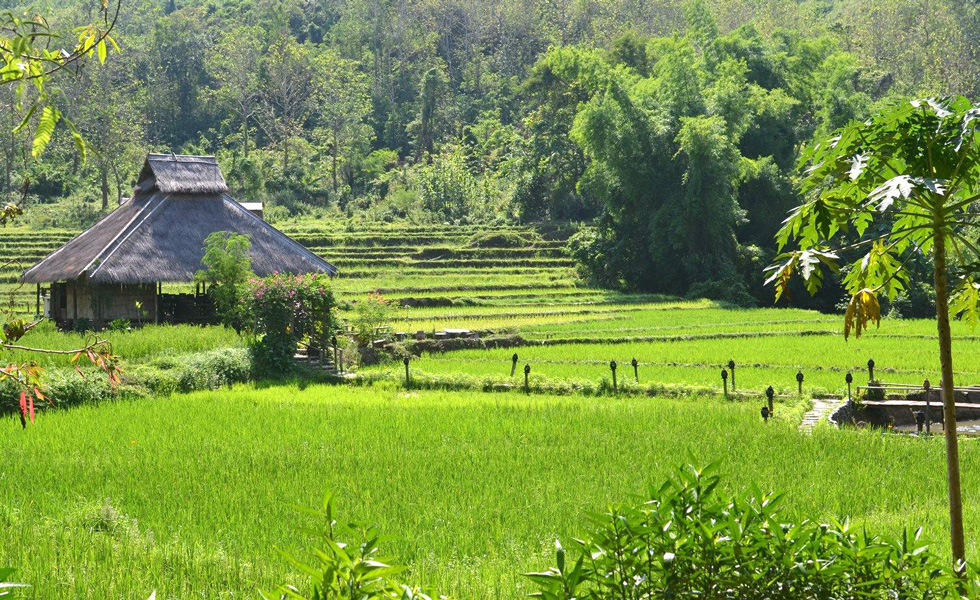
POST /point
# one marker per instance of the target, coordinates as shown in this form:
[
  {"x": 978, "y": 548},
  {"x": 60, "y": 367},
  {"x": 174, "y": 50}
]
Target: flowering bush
[{"x": 279, "y": 311}]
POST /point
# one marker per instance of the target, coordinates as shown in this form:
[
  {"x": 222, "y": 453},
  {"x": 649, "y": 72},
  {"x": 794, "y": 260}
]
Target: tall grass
[
  {"x": 138, "y": 345},
  {"x": 188, "y": 495}
]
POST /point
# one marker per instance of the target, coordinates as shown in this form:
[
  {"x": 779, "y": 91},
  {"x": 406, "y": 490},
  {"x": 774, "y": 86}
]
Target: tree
[
  {"x": 902, "y": 184},
  {"x": 287, "y": 86},
  {"x": 228, "y": 267},
  {"x": 233, "y": 63},
  {"x": 426, "y": 126},
  {"x": 29, "y": 63},
  {"x": 103, "y": 110},
  {"x": 341, "y": 95}
]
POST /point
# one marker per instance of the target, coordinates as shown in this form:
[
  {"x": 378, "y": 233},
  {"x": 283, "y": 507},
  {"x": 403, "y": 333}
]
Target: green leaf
[{"x": 45, "y": 129}]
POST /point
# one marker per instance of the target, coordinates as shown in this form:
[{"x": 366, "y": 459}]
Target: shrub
[
  {"x": 280, "y": 310},
  {"x": 690, "y": 541},
  {"x": 504, "y": 239},
  {"x": 369, "y": 314},
  {"x": 198, "y": 371}
]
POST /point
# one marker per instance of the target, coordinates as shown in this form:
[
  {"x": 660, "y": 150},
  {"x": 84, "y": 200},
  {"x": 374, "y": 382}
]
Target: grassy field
[{"x": 189, "y": 495}]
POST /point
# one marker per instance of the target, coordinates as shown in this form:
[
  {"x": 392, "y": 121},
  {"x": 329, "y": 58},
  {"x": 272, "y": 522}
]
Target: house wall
[{"x": 103, "y": 303}]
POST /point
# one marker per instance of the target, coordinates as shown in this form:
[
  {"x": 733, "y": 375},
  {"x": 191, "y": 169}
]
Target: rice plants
[{"x": 189, "y": 494}]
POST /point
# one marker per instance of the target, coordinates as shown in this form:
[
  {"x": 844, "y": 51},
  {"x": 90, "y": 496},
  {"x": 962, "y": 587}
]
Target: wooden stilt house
[{"x": 117, "y": 268}]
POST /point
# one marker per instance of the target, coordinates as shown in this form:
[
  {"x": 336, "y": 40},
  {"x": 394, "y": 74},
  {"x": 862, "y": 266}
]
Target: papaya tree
[{"x": 877, "y": 195}]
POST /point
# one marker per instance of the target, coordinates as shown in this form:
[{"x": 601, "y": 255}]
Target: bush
[
  {"x": 504, "y": 239},
  {"x": 369, "y": 314},
  {"x": 280, "y": 310},
  {"x": 690, "y": 541},
  {"x": 198, "y": 371}
]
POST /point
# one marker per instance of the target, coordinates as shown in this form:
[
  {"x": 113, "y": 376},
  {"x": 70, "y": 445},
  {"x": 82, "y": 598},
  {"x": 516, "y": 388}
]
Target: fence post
[
  {"x": 513, "y": 365},
  {"x": 849, "y": 379},
  {"x": 636, "y": 372},
  {"x": 336, "y": 364},
  {"x": 799, "y": 382},
  {"x": 612, "y": 365},
  {"x": 731, "y": 365},
  {"x": 871, "y": 370},
  {"x": 925, "y": 386},
  {"x": 770, "y": 394},
  {"x": 408, "y": 378},
  {"x": 527, "y": 371},
  {"x": 724, "y": 381}
]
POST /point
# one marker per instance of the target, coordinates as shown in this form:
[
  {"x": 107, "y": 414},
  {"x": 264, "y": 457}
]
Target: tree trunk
[
  {"x": 335, "y": 161},
  {"x": 949, "y": 407},
  {"x": 104, "y": 173},
  {"x": 245, "y": 136}
]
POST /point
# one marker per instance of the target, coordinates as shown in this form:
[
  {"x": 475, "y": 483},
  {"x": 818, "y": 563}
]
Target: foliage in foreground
[
  {"x": 346, "y": 570},
  {"x": 689, "y": 541}
]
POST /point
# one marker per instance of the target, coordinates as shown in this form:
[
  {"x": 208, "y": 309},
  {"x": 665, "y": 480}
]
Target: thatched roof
[
  {"x": 159, "y": 235},
  {"x": 172, "y": 174}
]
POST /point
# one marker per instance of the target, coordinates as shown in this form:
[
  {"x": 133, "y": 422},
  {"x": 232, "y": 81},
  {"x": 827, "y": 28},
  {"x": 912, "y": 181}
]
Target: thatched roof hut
[{"x": 158, "y": 235}]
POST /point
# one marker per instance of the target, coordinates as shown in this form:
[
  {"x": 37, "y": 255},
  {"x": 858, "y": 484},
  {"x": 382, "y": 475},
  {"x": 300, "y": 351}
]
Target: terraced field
[
  {"x": 522, "y": 284},
  {"x": 117, "y": 523}
]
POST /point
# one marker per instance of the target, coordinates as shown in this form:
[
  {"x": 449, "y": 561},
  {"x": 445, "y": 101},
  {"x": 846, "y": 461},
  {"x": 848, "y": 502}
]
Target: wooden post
[
  {"x": 156, "y": 303},
  {"x": 408, "y": 378},
  {"x": 731, "y": 365},
  {"x": 612, "y": 365},
  {"x": 636, "y": 372},
  {"x": 724, "y": 381},
  {"x": 37, "y": 305},
  {"x": 527, "y": 371},
  {"x": 513, "y": 365},
  {"x": 925, "y": 386},
  {"x": 74, "y": 300},
  {"x": 799, "y": 382}
]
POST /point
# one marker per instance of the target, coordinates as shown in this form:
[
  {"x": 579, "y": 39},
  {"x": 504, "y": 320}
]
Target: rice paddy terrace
[
  {"x": 519, "y": 283},
  {"x": 482, "y": 483}
]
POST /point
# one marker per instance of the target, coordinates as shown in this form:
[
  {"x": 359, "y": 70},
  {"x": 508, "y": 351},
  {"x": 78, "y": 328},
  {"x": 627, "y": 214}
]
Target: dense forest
[{"x": 670, "y": 129}]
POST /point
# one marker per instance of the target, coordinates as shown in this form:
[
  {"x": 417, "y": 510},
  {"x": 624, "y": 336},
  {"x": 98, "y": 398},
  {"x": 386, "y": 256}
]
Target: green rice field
[{"x": 189, "y": 495}]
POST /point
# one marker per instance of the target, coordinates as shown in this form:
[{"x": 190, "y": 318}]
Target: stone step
[{"x": 820, "y": 410}]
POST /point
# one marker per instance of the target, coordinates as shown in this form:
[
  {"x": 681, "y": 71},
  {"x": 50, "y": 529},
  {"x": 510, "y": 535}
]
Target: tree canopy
[{"x": 629, "y": 119}]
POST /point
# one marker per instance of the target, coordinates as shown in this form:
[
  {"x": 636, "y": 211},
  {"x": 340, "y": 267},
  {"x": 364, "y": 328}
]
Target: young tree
[
  {"x": 341, "y": 95},
  {"x": 287, "y": 87},
  {"x": 233, "y": 64},
  {"x": 903, "y": 183},
  {"x": 228, "y": 267}
]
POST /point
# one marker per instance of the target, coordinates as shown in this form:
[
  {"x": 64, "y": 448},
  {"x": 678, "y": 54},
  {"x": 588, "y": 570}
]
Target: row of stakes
[{"x": 767, "y": 411}]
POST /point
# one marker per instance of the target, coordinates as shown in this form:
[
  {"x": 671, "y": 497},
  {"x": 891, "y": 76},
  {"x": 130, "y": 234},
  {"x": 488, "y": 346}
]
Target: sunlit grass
[{"x": 477, "y": 486}]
